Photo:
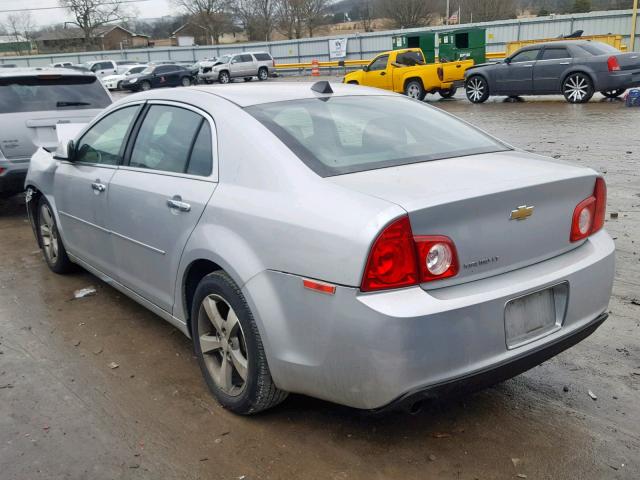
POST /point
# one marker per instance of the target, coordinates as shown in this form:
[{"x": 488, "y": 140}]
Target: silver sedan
[{"x": 331, "y": 240}]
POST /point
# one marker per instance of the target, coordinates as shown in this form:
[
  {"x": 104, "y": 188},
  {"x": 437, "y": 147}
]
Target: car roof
[
  {"x": 35, "y": 71},
  {"x": 558, "y": 43},
  {"x": 249, "y": 94}
]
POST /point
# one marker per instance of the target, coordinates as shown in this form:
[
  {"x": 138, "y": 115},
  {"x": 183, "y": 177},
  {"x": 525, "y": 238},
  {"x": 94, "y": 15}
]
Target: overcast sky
[{"x": 146, "y": 9}]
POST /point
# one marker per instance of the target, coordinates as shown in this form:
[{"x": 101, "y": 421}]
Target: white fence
[{"x": 363, "y": 46}]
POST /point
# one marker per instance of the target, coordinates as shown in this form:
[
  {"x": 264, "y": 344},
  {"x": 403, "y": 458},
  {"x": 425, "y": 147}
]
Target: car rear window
[
  {"x": 51, "y": 92},
  {"x": 598, "y": 48},
  {"x": 262, "y": 56},
  {"x": 340, "y": 135}
]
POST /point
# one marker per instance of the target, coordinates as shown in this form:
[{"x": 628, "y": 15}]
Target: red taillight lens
[
  {"x": 440, "y": 72},
  {"x": 437, "y": 257},
  {"x": 588, "y": 216},
  {"x": 1, "y": 170},
  {"x": 398, "y": 259},
  {"x": 612, "y": 64},
  {"x": 392, "y": 260}
]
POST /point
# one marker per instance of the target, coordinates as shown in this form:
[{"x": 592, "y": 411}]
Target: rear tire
[
  {"x": 234, "y": 364},
  {"x": 414, "y": 89},
  {"x": 447, "y": 92},
  {"x": 613, "y": 93},
  {"x": 263, "y": 74},
  {"x": 577, "y": 88},
  {"x": 48, "y": 236},
  {"x": 224, "y": 77},
  {"x": 477, "y": 89}
]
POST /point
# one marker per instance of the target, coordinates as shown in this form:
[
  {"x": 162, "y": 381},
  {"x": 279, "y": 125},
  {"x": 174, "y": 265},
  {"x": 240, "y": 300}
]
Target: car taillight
[
  {"x": 398, "y": 259},
  {"x": 588, "y": 216},
  {"x": 440, "y": 72},
  {"x": 612, "y": 64}
]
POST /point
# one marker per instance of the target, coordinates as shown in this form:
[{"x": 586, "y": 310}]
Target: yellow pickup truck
[{"x": 405, "y": 71}]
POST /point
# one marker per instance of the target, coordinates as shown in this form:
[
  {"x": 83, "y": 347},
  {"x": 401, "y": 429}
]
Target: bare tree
[
  {"x": 367, "y": 10},
  {"x": 89, "y": 15},
  {"x": 290, "y": 18},
  {"x": 486, "y": 10},
  {"x": 21, "y": 27},
  {"x": 313, "y": 13},
  {"x": 257, "y": 16},
  {"x": 212, "y": 15},
  {"x": 408, "y": 13}
]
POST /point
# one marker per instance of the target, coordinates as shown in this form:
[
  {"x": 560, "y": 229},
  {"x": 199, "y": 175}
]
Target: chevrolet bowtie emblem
[{"x": 521, "y": 213}]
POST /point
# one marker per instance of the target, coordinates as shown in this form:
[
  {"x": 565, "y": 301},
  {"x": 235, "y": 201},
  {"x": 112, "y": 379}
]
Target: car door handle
[
  {"x": 383, "y": 73},
  {"x": 178, "y": 205},
  {"x": 98, "y": 187},
  {"x": 565, "y": 63},
  {"x": 528, "y": 66}
]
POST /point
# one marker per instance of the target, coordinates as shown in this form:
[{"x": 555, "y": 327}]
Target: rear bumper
[
  {"x": 12, "y": 178},
  {"x": 495, "y": 373},
  {"x": 618, "y": 80},
  {"x": 369, "y": 350}
]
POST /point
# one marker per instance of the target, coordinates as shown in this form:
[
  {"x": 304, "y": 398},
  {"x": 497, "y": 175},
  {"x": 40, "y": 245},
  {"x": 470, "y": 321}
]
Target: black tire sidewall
[
  {"x": 62, "y": 263},
  {"x": 590, "y": 90},
  {"x": 416, "y": 82},
  {"x": 145, "y": 83},
  {"x": 485, "y": 95},
  {"x": 221, "y": 284},
  {"x": 448, "y": 92},
  {"x": 186, "y": 81}
]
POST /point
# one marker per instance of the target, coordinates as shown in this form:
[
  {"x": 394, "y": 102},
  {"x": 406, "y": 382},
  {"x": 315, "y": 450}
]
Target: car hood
[
  {"x": 113, "y": 77},
  {"x": 138, "y": 76}
]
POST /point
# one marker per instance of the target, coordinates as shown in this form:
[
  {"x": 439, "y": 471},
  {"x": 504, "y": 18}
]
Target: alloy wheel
[
  {"x": 576, "y": 88},
  {"x": 262, "y": 74},
  {"x": 475, "y": 89},
  {"x": 223, "y": 345},
  {"x": 224, "y": 77},
  {"x": 49, "y": 234},
  {"x": 413, "y": 91}
]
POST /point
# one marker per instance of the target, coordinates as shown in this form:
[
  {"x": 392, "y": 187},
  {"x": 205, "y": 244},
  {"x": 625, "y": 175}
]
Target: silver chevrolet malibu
[{"x": 331, "y": 240}]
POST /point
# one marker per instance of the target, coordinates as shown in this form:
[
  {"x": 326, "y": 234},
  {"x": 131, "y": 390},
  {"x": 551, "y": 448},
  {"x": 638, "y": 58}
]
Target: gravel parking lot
[{"x": 101, "y": 388}]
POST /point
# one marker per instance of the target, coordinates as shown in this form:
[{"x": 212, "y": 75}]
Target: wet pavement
[{"x": 66, "y": 413}]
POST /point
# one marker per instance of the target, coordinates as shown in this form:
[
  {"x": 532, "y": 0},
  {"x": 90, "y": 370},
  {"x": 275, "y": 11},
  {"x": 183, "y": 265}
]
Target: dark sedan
[
  {"x": 156, "y": 76},
  {"x": 576, "y": 68}
]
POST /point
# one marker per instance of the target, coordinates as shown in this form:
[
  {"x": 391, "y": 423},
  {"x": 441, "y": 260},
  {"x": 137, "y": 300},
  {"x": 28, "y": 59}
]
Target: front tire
[
  {"x": 447, "y": 92},
  {"x": 613, "y": 93},
  {"x": 229, "y": 348},
  {"x": 186, "y": 81},
  {"x": 144, "y": 86},
  {"x": 224, "y": 77},
  {"x": 414, "y": 89},
  {"x": 48, "y": 236},
  {"x": 477, "y": 89},
  {"x": 263, "y": 74},
  {"x": 577, "y": 88}
]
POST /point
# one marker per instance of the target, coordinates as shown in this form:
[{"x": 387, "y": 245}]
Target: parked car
[
  {"x": 113, "y": 82},
  {"x": 574, "y": 68},
  {"x": 62, "y": 64},
  {"x": 101, "y": 68},
  {"x": 346, "y": 243},
  {"x": 8, "y": 65},
  {"x": 241, "y": 65},
  {"x": 156, "y": 76},
  {"x": 32, "y": 103},
  {"x": 123, "y": 65},
  {"x": 405, "y": 71}
]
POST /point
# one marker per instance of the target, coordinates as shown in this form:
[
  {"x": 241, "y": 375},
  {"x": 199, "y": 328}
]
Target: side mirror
[
  {"x": 365, "y": 68},
  {"x": 507, "y": 60},
  {"x": 66, "y": 152}
]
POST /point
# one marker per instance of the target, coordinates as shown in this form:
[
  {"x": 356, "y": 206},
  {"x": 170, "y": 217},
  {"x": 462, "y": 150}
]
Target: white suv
[{"x": 240, "y": 65}]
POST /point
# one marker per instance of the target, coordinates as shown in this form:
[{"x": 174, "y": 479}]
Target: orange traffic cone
[{"x": 315, "y": 68}]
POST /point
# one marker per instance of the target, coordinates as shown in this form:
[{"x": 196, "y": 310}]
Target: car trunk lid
[
  {"x": 476, "y": 200},
  {"x": 629, "y": 61}
]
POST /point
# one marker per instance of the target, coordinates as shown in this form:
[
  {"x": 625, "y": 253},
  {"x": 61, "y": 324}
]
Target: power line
[{"x": 33, "y": 9}]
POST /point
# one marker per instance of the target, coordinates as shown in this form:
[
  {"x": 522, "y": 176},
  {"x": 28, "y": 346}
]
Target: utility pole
[
  {"x": 447, "y": 20},
  {"x": 634, "y": 18}
]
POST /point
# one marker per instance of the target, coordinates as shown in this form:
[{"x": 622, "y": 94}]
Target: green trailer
[
  {"x": 426, "y": 41},
  {"x": 462, "y": 44}
]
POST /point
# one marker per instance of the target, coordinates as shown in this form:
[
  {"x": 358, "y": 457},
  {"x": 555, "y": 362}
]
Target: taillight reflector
[
  {"x": 319, "y": 286},
  {"x": 612, "y": 64},
  {"x": 588, "y": 216},
  {"x": 398, "y": 259}
]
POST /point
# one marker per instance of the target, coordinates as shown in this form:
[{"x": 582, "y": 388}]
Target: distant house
[
  {"x": 14, "y": 44},
  {"x": 108, "y": 37},
  {"x": 191, "y": 34}
]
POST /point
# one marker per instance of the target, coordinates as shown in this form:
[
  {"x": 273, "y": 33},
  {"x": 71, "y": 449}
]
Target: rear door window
[
  {"x": 262, "y": 57},
  {"x": 165, "y": 139},
  {"x": 51, "y": 92},
  {"x": 555, "y": 53}
]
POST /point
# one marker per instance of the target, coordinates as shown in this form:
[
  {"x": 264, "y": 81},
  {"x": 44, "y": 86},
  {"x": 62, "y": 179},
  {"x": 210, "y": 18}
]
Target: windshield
[
  {"x": 136, "y": 70},
  {"x": 51, "y": 92},
  {"x": 224, "y": 59},
  {"x": 339, "y": 135},
  {"x": 148, "y": 70}
]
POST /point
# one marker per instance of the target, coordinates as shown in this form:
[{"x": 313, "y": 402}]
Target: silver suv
[
  {"x": 240, "y": 65},
  {"x": 32, "y": 103}
]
